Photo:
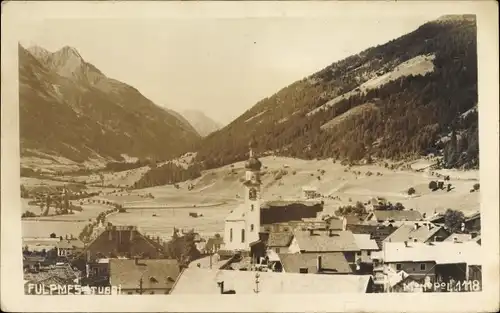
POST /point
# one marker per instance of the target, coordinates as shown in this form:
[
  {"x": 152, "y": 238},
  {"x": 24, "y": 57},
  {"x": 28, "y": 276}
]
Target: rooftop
[
  {"x": 440, "y": 252},
  {"x": 155, "y": 273},
  {"x": 321, "y": 241},
  {"x": 205, "y": 281},
  {"x": 459, "y": 237},
  {"x": 410, "y": 232},
  {"x": 364, "y": 242},
  {"x": 397, "y": 215},
  {"x": 279, "y": 239},
  {"x": 334, "y": 263}
]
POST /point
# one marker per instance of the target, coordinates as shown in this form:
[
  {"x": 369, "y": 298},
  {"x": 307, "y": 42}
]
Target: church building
[{"x": 242, "y": 225}]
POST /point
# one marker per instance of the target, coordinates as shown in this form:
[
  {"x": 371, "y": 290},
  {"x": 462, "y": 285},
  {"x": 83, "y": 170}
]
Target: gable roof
[
  {"x": 213, "y": 241},
  {"x": 396, "y": 215},
  {"x": 459, "y": 237},
  {"x": 70, "y": 244},
  {"x": 472, "y": 216},
  {"x": 444, "y": 252},
  {"x": 376, "y": 232},
  {"x": 330, "y": 262},
  {"x": 279, "y": 239},
  {"x": 155, "y": 273},
  {"x": 364, "y": 242},
  {"x": 204, "y": 281},
  {"x": 407, "y": 232},
  {"x": 321, "y": 241}
]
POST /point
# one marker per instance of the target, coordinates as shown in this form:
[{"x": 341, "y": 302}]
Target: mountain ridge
[
  {"x": 69, "y": 108},
  {"x": 203, "y": 124},
  {"x": 407, "y": 116}
]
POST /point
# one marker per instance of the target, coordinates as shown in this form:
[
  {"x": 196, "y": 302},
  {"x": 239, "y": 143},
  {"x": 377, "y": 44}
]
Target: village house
[
  {"x": 376, "y": 232},
  {"x": 123, "y": 241},
  {"x": 418, "y": 232},
  {"x": 315, "y": 241},
  {"x": 205, "y": 281},
  {"x": 309, "y": 192},
  {"x": 366, "y": 246},
  {"x": 213, "y": 245},
  {"x": 473, "y": 223},
  {"x": 315, "y": 263},
  {"x": 381, "y": 216},
  {"x": 68, "y": 247},
  {"x": 142, "y": 276},
  {"x": 429, "y": 262},
  {"x": 279, "y": 242}
]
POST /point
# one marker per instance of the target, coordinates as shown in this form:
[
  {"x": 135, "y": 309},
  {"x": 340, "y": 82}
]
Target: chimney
[
  {"x": 429, "y": 226},
  {"x": 311, "y": 231},
  {"x": 455, "y": 239},
  {"x": 136, "y": 260},
  {"x": 319, "y": 264},
  {"x": 416, "y": 226},
  {"x": 330, "y": 232},
  {"x": 406, "y": 243}
]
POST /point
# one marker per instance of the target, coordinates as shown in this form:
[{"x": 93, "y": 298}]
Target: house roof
[
  {"x": 397, "y": 215},
  {"x": 211, "y": 242},
  {"x": 407, "y": 232},
  {"x": 238, "y": 214},
  {"x": 364, "y": 242},
  {"x": 204, "y": 281},
  {"x": 321, "y": 241},
  {"x": 459, "y": 237},
  {"x": 155, "y": 273},
  {"x": 279, "y": 239},
  {"x": 330, "y": 262},
  {"x": 335, "y": 223},
  {"x": 70, "y": 244},
  {"x": 354, "y": 219},
  {"x": 472, "y": 216},
  {"x": 440, "y": 252}
]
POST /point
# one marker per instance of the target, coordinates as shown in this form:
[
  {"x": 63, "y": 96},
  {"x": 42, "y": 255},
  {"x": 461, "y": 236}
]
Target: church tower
[{"x": 252, "y": 197}]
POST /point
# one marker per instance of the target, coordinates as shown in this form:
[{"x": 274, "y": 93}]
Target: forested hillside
[{"x": 411, "y": 96}]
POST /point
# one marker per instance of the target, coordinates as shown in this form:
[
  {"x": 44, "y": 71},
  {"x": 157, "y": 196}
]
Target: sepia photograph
[{"x": 211, "y": 154}]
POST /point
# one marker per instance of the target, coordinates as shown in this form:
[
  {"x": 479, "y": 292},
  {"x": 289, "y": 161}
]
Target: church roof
[
  {"x": 253, "y": 164},
  {"x": 238, "y": 214}
]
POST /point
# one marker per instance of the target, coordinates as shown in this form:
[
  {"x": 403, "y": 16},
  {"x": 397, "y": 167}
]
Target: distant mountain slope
[
  {"x": 68, "y": 108},
  {"x": 202, "y": 123},
  {"x": 413, "y": 95}
]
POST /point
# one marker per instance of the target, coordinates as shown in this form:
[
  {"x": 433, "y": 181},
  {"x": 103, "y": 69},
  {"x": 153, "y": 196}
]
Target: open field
[{"x": 217, "y": 191}]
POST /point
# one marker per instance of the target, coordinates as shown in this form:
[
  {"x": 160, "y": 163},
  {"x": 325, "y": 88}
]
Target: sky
[{"x": 220, "y": 66}]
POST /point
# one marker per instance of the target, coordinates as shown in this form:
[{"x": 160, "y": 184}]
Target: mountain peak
[
  {"x": 67, "y": 52},
  {"x": 39, "y": 52}
]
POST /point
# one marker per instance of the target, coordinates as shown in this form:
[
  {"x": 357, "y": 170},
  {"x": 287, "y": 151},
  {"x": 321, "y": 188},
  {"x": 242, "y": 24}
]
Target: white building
[{"x": 242, "y": 225}]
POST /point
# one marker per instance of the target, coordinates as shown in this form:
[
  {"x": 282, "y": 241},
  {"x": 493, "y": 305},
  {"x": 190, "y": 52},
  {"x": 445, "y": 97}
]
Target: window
[
  {"x": 231, "y": 235},
  {"x": 251, "y": 227},
  {"x": 277, "y": 250},
  {"x": 399, "y": 266},
  {"x": 251, "y": 207},
  {"x": 422, "y": 266},
  {"x": 368, "y": 253},
  {"x": 242, "y": 235}
]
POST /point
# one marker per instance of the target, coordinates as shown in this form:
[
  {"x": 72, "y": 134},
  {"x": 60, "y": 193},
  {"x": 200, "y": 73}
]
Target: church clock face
[{"x": 252, "y": 194}]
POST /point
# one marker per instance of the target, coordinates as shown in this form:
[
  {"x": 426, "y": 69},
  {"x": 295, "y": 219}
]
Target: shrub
[
  {"x": 411, "y": 191},
  {"x": 433, "y": 185},
  {"x": 476, "y": 186}
]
